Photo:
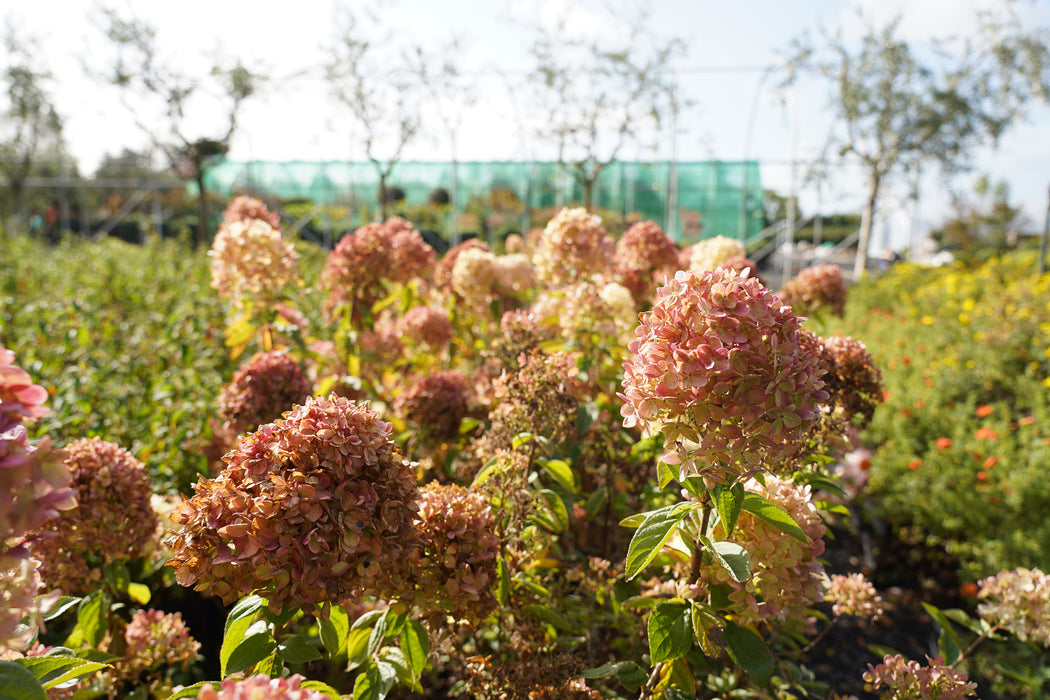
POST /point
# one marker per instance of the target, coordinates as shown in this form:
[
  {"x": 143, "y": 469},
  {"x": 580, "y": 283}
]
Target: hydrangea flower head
[
  {"x": 574, "y": 247},
  {"x": 718, "y": 366},
  {"x": 710, "y": 253},
  {"x": 815, "y": 289},
  {"x": 262, "y": 687},
  {"x": 313, "y": 508},
  {"x": 898, "y": 678},
  {"x": 426, "y": 325},
  {"x": 454, "y": 570},
  {"x": 436, "y": 402},
  {"x": 474, "y": 277},
  {"x": 113, "y": 520},
  {"x": 853, "y": 595},
  {"x": 251, "y": 260},
  {"x": 157, "y": 640},
  {"x": 245, "y": 208},
  {"x": 1017, "y": 601},
  {"x": 263, "y": 388},
  {"x": 856, "y": 382},
  {"x": 645, "y": 257},
  {"x": 444, "y": 267}
]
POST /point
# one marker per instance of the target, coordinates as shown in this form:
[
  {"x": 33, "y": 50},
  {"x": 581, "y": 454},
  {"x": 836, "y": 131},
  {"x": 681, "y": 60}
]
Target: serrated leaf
[
  {"x": 415, "y": 643},
  {"x": 520, "y": 439},
  {"x": 117, "y": 576},
  {"x": 610, "y": 668},
  {"x": 732, "y": 557},
  {"x": 729, "y": 501},
  {"x": 53, "y": 670},
  {"x": 375, "y": 682},
  {"x": 18, "y": 683},
  {"x": 669, "y": 629},
  {"x": 93, "y": 617},
  {"x": 334, "y": 630},
  {"x": 749, "y": 652},
  {"x": 295, "y": 649},
  {"x": 704, "y": 621},
  {"x": 677, "y": 679},
  {"x": 651, "y": 536},
  {"x": 63, "y": 604},
  {"x": 249, "y": 651},
  {"x": 238, "y": 621},
  {"x": 490, "y": 469},
  {"x": 773, "y": 514}
]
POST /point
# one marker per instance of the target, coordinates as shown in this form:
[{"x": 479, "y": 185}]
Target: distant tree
[
  {"x": 29, "y": 125},
  {"x": 897, "y": 106},
  {"x": 598, "y": 95},
  {"x": 139, "y": 71},
  {"x": 375, "y": 77},
  {"x": 985, "y": 220}
]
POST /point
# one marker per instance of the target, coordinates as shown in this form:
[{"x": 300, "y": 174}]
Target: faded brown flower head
[
  {"x": 897, "y": 678},
  {"x": 436, "y": 403},
  {"x": 454, "y": 570},
  {"x": 263, "y": 388},
  {"x": 314, "y": 508},
  {"x": 426, "y": 325},
  {"x": 250, "y": 260},
  {"x": 818, "y": 288},
  {"x": 856, "y": 382},
  {"x": 156, "y": 641},
  {"x": 719, "y": 367},
  {"x": 645, "y": 258},
  {"x": 113, "y": 520}
]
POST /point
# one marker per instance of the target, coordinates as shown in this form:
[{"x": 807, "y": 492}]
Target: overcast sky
[{"x": 721, "y": 75}]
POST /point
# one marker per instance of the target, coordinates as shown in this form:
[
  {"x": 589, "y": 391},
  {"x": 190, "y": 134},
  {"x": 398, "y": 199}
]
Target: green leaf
[
  {"x": 732, "y": 557},
  {"x": 139, "y": 592},
  {"x": 334, "y": 630},
  {"x": 586, "y": 414},
  {"x": 720, "y": 596},
  {"x": 117, "y": 576},
  {"x": 749, "y": 652},
  {"x": 665, "y": 474},
  {"x": 949, "y": 642},
  {"x": 367, "y": 619},
  {"x": 357, "y": 647},
  {"x": 502, "y": 581},
  {"x": 771, "y": 513},
  {"x": 375, "y": 640},
  {"x": 53, "y": 670},
  {"x": 596, "y": 501},
  {"x": 704, "y": 621},
  {"x": 321, "y": 688},
  {"x": 190, "y": 691},
  {"x": 238, "y": 621},
  {"x": 375, "y": 682},
  {"x": 415, "y": 643},
  {"x": 491, "y": 468},
  {"x": 18, "y": 683},
  {"x": 728, "y": 504},
  {"x": 295, "y": 649},
  {"x": 93, "y": 617},
  {"x": 520, "y": 439},
  {"x": 64, "y": 604},
  {"x": 670, "y": 633},
  {"x": 651, "y": 536},
  {"x": 396, "y": 658},
  {"x": 555, "y": 517},
  {"x": 255, "y": 647},
  {"x": 552, "y": 617},
  {"x": 561, "y": 472}
]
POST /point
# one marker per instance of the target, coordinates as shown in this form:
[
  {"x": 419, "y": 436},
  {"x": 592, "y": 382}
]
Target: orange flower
[
  {"x": 990, "y": 462},
  {"x": 915, "y": 464},
  {"x": 985, "y": 433},
  {"x": 981, "y": 475},
  {"x": 943, "y": 443},
  {"x": 984, "y": 410},
  {"x": 1027, "y": 420},
  {"x": 968, "y": 590}
]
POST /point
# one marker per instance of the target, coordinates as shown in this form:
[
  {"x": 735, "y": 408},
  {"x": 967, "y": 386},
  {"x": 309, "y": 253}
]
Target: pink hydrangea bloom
[
  {"x": 898, "y": 678},
  {"x": 245, "y": 208},
  {"x": 436, "y": 402},
  {"x": 316, "y": 507},
  {"x": 113, "y": 520},
  {"x": 815, "y": 289},
  {"x": 719, "y": 367},
  {"x": 445, "y": 266},
  {"x": 645, "y": 258},
  {"x": 156, "y": 640},
  {"x": 263, "y": 388},
  {"x": 574, "y": 247},
  {"x": 853, "y": 595},
  {"x": 854, "y": 380},
  {"x": 262, "y": 687},
  {"x": 251, "y": 261},
  {"x": 426, "y": 325}
]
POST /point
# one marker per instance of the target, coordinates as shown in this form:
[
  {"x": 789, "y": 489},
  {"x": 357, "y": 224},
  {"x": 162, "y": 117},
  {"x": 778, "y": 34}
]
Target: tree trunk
[
  {"x": 382, "y": 196},
  {"x": 867, "y": 218},
  {"x": 202, "y": 209},
  {"x": 588, "y": 192}
]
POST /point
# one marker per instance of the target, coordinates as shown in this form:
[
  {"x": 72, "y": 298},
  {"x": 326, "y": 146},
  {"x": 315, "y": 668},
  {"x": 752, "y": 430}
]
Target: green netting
[{"x": 710, "y": 197}]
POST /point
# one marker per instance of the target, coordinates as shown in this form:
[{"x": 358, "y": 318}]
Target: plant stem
[{"x": 647, "y": 689}]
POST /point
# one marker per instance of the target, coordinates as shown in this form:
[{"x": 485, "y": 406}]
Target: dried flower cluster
[
  {"x": 426, "y": 325},
  {"x": 474, "y": 278},
  {"x": 1017, "y": 601},
  {"x": 515, "y": 274},
  {"x": 262, "y": 687},
  {"x": 454, "y": 570},
  {"x": 710, "y": 253},
  {"x": 251, "y": 261},
  {"x": 645, "y": 258},
  {"x": 245, "y": 208},
  {"x": 437, "y": 403},
  {"x": 897, "y": 678},
  {"x": 156, "y": 640},
  {"x": 786, "y": 573},
  {"x": 815, "y": 289},
  {"x": 718, "y": 366},
  {"x": 445, "y": 266},
  {"x": 361, "y": 263},
  {"x": 855, "y": 381},
  {"x": 263, "y": 388},
  {"x": 853, "y": 595},
  {"x": 313, "y": 508},
  {"x": 574, "y": 247},
  {"x": 583, "y": 308},
  {"x": 113, "y": 520}
]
